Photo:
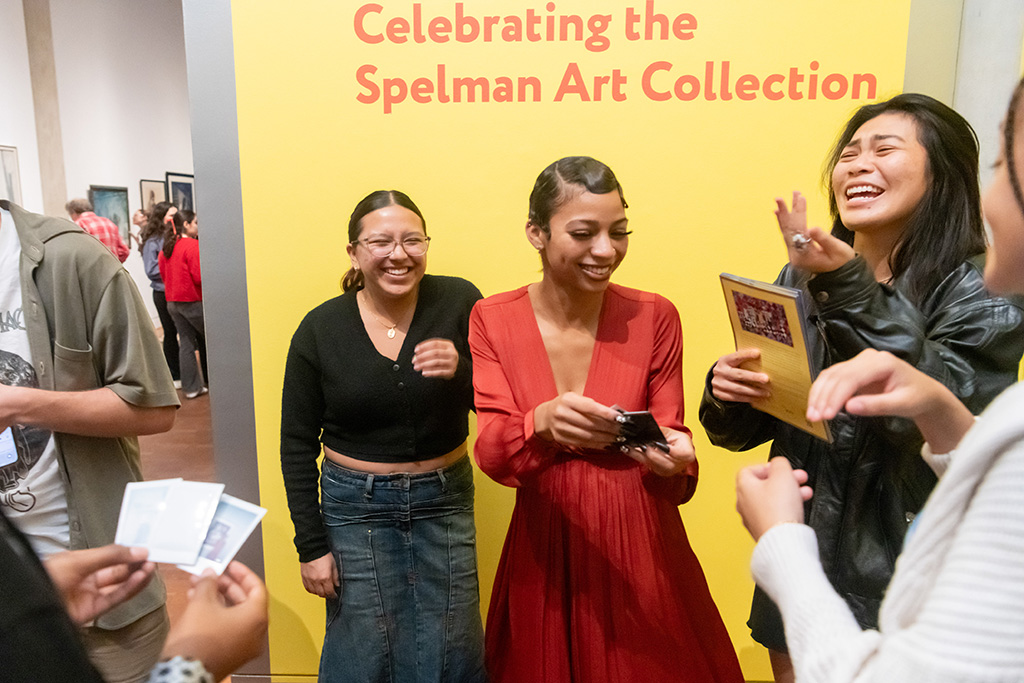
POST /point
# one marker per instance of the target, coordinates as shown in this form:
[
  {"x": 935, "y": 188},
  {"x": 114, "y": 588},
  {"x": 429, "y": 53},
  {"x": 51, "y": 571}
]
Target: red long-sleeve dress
[{"x": 597, "y": 582}]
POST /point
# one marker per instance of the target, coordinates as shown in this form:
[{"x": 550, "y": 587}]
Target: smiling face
[
  {"x": 1004, "y": 264},
  {"x": 882, "y": 175},
  {"x": 395, "y": 276},
  {"x": 586, "y": 241}
]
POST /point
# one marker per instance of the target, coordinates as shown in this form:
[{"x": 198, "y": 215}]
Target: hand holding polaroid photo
[
  {"x": 170, "y": 518},
  {"x": 234, "y": 520}
]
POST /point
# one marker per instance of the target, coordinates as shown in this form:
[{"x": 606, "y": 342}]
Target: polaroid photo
[
  {"x": 169, "y": 517},
  {"x": 142, "y": 505},
  {"x": 234, "y": 520},
  {"x": 179, "y": 531}
]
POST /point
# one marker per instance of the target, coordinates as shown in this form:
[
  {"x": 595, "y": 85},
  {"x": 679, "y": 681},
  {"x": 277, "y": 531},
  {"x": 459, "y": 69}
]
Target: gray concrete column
[{"x": 43, "y": 72}]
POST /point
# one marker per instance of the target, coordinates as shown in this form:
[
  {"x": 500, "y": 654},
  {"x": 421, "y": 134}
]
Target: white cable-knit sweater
[{"x": 954, "y": 610}]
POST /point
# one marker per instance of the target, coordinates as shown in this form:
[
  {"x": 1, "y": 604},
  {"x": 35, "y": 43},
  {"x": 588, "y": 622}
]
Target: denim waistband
[{"x": 458, "y": 470}]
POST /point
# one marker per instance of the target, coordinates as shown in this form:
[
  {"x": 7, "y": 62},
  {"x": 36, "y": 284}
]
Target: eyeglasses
[{"x": 382, "y": 248}]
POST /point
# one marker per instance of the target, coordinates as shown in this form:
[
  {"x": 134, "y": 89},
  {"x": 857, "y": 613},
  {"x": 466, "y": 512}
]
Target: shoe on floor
[
  {"x": 177, "y": 384},
  {"x": 197, "y": 394}
]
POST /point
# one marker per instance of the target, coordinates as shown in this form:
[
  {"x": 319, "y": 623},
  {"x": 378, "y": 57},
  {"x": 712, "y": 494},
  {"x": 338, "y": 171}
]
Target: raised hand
[{"x": 813, "y": 250}]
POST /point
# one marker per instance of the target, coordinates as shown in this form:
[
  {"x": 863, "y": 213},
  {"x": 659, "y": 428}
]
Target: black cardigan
[{"x": 339, "y": 391}]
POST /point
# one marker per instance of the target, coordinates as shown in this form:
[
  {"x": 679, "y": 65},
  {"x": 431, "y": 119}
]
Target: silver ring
[{"x": 800, "y": 241}]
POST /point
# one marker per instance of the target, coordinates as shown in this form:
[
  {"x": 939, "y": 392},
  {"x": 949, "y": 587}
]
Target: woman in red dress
[{"x": 597, "y": 581}]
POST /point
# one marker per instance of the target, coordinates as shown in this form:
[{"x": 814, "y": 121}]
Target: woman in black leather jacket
[{"x": 901, "y": 272}]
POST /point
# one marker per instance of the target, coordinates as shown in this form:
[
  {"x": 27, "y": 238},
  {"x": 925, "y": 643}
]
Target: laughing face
[
  {"x": 882, "y": 175},
  {"x": 397, "y": 275},
  {"x": 586, "y": 241}
]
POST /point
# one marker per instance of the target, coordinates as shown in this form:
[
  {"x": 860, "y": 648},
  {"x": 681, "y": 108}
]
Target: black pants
[{"x": 170, "y": 334}]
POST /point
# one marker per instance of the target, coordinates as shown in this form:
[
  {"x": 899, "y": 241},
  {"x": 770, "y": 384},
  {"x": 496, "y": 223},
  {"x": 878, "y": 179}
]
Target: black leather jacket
[{"x": 871, "y": 481}]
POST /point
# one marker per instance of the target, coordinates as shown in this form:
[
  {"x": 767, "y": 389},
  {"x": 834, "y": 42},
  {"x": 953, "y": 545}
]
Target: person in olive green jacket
[{"x": 81, "y": 376}]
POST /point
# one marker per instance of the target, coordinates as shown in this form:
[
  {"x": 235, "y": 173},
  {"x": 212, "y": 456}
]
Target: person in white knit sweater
[{"x": 954, "y": 610}]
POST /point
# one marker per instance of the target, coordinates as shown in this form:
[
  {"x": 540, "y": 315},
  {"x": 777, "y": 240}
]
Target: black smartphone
[{"x": 640, "y": 430}]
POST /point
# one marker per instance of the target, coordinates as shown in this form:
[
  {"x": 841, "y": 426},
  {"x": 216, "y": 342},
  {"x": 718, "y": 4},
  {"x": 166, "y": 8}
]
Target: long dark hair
[
  {"x": 560, "y": 181},
  {"x": 946, "y": 227},
  {"x": 154, "y": 223},
  {"x": 173, "y": 230},
  {"x": 353, "y": 279}
]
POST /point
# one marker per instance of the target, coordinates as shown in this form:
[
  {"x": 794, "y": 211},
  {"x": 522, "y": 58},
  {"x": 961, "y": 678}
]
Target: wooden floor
[{"x": 187, "y": 452}]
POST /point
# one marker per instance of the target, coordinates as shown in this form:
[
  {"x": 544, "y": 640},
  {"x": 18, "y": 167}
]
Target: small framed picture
[
  {"x": 152, "y": 192},
  {"x": 10, "y": 178},
  {"x": 181, "y": 189},
  {"x": 112, "y": 203}
]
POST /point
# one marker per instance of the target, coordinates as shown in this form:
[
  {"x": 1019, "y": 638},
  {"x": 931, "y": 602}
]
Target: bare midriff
[{"x": 412, "y": 467}]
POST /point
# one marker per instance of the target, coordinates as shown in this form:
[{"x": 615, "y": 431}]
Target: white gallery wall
[
  {"x": 123, "y": 97},
  {"x": 121, "y": 92},
  {"x": 17, "y": 112}
]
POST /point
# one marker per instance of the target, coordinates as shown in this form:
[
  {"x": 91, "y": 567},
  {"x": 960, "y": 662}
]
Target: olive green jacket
[{"x": 88, "y": 329}]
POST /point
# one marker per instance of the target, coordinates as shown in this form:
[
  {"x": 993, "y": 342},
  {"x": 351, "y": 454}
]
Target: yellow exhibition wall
[{"x": 336, "y": 99}]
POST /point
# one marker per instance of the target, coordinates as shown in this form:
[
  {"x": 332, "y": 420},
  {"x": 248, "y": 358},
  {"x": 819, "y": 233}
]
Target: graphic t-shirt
[{"x": 31, "y": 491}]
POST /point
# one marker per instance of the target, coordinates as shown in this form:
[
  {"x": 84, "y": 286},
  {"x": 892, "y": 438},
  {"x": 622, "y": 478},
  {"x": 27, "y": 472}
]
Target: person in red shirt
[
  {"x": 103, "y": 229},
  {"x": 183, "y": 283}
]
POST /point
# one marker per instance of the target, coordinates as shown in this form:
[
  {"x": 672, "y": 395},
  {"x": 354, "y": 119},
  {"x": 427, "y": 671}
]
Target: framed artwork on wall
[
  {"x": 10, "y": 179},
  {"x": 152, "y": 192},
  {"x": 112, "y": 203},
  {"x": 181, "y": 189}
]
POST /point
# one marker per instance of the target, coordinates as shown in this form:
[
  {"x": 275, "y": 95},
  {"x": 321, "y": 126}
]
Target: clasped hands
[
  {"x": 581, "y": 422},
  {"x": 873, "y": 383}
]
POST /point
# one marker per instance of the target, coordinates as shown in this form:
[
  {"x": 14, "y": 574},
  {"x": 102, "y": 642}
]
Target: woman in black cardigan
[{"x": 380, "y": 380}]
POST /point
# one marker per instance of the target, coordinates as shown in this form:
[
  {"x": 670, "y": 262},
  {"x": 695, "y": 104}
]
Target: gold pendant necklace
[{"x": 391, "y": 328}]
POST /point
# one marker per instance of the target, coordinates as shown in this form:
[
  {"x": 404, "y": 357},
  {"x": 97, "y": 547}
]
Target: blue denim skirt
[{"x": 408, "y": 610}]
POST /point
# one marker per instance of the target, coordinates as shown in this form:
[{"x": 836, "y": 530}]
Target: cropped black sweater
[{"x": 339, "y": 391}]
